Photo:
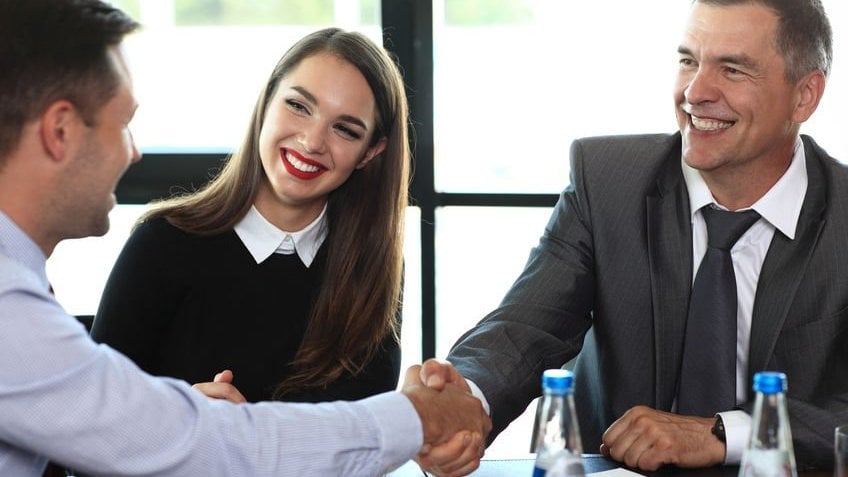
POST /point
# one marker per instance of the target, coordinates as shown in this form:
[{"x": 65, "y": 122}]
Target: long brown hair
[{"x": 359, "y": 297}]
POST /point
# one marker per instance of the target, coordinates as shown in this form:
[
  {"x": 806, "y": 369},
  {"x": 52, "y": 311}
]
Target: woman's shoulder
[{"x": 158, "y": 229}]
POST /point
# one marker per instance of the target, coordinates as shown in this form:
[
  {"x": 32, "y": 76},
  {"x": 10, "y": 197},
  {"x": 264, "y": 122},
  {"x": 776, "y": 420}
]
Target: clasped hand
[
  {"x": 455, "y": 424},
  {"x": 647, "y": 439}
]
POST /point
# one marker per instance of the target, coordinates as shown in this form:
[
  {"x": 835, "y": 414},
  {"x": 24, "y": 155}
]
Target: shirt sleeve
[
  {"x": 476, "y": 392},
  {"x": 90, "y": 408},
  {"x": 737, "y": 428}
]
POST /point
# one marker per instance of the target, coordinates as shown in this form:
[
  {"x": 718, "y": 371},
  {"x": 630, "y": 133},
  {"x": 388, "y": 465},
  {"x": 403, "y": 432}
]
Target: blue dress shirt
[{"x": 86, "y": 406}]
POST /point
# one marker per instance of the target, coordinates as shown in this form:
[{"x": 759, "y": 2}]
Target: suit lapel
[
  {"x": 669, "y": 239},
  {"x": 784, "y": 266}
]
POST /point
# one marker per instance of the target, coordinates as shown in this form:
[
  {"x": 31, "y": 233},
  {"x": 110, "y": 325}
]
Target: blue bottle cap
[
  {"x": 770, "y": 382},
  {"x": 557, "y": 380}
]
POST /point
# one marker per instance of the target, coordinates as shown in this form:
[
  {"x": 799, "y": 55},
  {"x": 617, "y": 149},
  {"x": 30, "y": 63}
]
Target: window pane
[
  {"x": 479, "y": 253},
  {"x": 78, "y": 269},
  {"x": 199, "y": 65},
  {"x": 511, "y": 93}
]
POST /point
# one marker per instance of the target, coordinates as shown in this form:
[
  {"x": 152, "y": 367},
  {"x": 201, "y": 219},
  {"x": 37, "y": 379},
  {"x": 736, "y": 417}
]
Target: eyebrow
[
  {"x": 344, "y": 117},
  {"x": 742, "y": 60}
]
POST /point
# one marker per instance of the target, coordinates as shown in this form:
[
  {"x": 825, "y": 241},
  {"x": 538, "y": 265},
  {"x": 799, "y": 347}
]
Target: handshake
[{"x": 453, "y": 420}]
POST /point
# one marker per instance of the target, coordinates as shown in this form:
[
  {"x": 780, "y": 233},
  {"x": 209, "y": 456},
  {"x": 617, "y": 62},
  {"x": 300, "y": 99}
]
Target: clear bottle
[
  {"x": 769, "y": 452},
  {"x": 557, "y": 440}
]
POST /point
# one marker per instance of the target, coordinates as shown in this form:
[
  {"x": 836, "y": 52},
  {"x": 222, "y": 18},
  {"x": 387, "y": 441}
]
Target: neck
[
  {"x": 741, "y": 186},
  {"x": 284, "y": 216}
]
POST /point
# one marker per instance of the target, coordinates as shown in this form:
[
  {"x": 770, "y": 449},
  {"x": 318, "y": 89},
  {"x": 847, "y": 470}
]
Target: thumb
[
  {"x": 225, "y": 376},
  {"x": 436, "y": 374}
]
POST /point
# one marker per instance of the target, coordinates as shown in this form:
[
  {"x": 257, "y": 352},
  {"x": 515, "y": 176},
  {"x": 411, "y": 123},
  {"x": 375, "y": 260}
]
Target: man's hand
[
  {"x": 454, "y": 423},
  {"x": 646, "y": 439},
  {"x": 221, "y": 387},
  {"x": 454, "y": 455},
  {"x": 436, "y": 374}
]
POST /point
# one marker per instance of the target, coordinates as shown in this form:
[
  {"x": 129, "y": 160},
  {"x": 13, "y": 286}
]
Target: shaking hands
[{"x": 454, "y": 422}]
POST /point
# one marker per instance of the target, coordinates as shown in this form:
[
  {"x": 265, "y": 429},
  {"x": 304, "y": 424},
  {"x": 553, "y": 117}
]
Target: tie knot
[{"x": 724, "y": 228}]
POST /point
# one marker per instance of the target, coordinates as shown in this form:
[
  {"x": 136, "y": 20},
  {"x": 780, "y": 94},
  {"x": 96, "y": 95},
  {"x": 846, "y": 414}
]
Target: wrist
[
  {"x": 719, "y": 433},
  {"x": 718, "y": 430}
]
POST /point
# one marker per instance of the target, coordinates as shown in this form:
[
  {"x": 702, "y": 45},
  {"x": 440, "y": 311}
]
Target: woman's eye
[
  {"x": 348, "y": 132},
  {"x": 297, "y": 106}
]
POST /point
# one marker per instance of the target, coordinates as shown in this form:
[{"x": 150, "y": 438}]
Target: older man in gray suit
[{"x": 612, "y": 276}]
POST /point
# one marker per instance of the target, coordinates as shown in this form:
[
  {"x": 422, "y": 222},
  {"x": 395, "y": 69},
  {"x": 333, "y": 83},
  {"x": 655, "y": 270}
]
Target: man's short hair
[
  {"x": 804, "y": 37},
  {"x": 52, "y": 50}
]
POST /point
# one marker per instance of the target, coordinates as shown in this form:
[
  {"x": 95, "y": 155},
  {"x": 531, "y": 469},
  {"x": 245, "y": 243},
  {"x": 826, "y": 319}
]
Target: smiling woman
[
  {"x": 286, "y": 268},
  {"x": 319, "y": 128}
]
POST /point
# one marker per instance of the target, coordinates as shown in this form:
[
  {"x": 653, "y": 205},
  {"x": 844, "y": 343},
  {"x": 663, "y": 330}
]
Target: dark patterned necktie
[{"x": 708, "y": 371}]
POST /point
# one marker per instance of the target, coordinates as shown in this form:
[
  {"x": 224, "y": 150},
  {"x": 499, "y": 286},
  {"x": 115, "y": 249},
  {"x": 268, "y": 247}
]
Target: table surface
[{"x": 592, "y": 463}]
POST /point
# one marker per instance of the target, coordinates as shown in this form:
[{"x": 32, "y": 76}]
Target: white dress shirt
[{"x": 779, "y": 209}]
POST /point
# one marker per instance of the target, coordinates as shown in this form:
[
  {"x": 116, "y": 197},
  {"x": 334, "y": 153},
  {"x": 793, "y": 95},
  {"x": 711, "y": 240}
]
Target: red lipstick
[{"x": 291, "y": 169}]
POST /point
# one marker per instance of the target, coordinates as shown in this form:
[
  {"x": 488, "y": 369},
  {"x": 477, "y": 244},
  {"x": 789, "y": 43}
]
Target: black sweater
[{"x": 188, "y": 307}]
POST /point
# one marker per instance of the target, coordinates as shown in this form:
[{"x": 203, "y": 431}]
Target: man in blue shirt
[{"x": 65, "y": 104}]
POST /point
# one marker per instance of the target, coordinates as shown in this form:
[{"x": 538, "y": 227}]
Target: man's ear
[
  {"x": 372, "y": 152},
  {"x": 59, "y": 127},
  {"x": 810, "y": 90}
]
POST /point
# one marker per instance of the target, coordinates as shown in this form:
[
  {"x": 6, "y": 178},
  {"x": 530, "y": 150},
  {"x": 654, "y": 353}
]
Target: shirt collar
[
  {"x": 780, "y": 206},
  {"x": 17, "y": 245},
  {"x": 262, "y": 238}
]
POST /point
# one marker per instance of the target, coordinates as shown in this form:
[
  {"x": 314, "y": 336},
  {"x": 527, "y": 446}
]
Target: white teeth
[
  {"x": 710, "y": 124},
  {"x": 300, "y": 165}
]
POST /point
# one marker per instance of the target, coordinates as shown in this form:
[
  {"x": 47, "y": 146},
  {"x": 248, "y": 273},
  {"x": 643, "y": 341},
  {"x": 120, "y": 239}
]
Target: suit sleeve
[
  {"x": 142, "y": 292},
  {"x": 543, "y": 318}
]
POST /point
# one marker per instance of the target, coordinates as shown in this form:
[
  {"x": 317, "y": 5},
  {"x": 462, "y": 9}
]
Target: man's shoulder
[
  {"x": 13, "y": 274},
  {"x": 811, "y": 147},
  {"x": 659, "y": 140},
  {"x": 633, "y": 158}
]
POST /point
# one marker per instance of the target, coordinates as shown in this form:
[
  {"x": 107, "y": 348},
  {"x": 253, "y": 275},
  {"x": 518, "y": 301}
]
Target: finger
[
  {"x": 652, "y": 459},
  {"x": 225, "y": 376},
  {"x": 466, "y": 462},
  {"x": 620, "y": 446},
  {"x": 637, "y": 451},
  {"x": 614, "y": 431},
  {"x": 412, "y": 376},
  {"x": 448, "y": 451},
  {"x": 221, "y": 391},
  {"x": 435, "y": 374},
  {"x": 466, "y": 469}
]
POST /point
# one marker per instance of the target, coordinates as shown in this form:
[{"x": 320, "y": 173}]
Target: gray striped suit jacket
[{"x": 610, "y": 279}]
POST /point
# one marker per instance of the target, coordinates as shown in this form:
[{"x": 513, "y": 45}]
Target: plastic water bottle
[
  {"x": 769, "y": 452},
  {"x": 557, "y": 441}
]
